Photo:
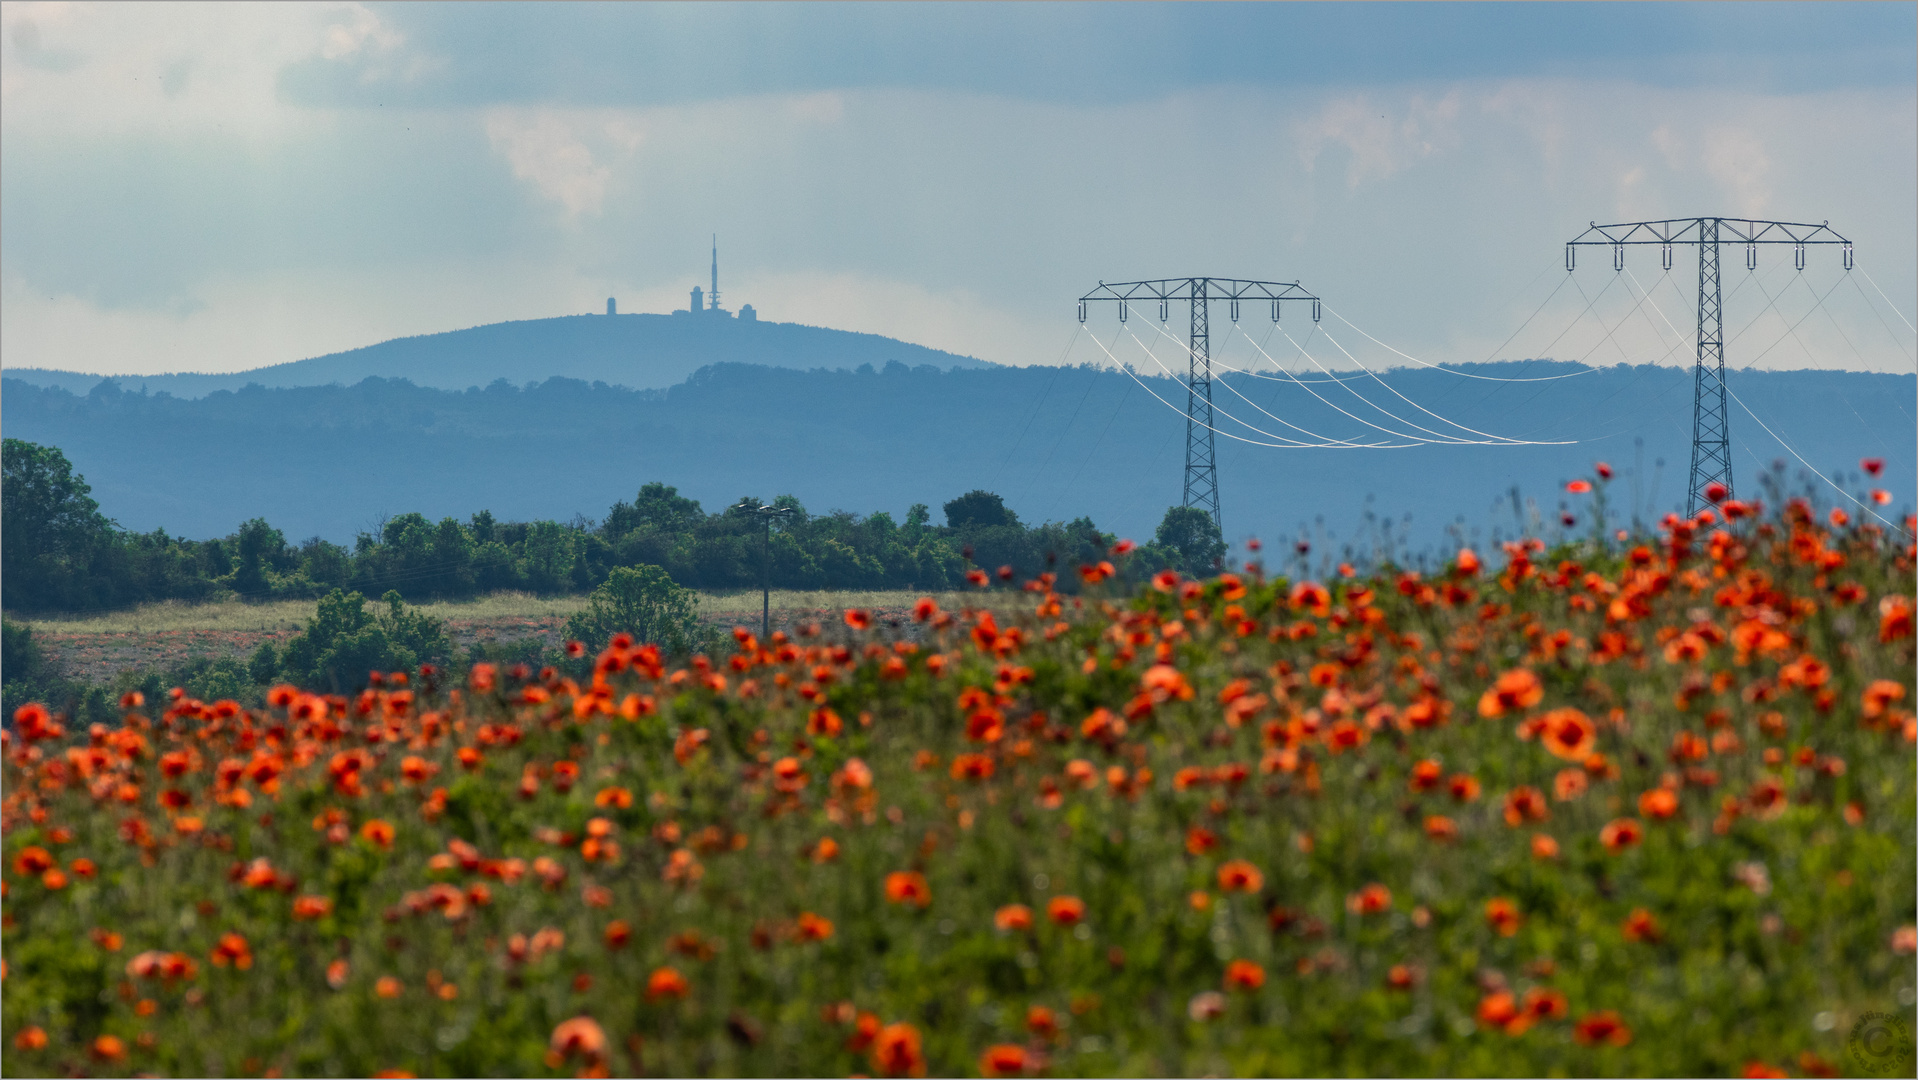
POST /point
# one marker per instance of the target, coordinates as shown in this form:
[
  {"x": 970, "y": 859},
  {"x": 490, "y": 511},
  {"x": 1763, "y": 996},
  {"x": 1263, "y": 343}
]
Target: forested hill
[
  {"x": 1058, "y": 444},
  {"x": 641, "y": 352}
]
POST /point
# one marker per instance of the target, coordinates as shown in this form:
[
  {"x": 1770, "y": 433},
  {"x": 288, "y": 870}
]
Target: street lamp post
[{"x": 766, "y": 514}]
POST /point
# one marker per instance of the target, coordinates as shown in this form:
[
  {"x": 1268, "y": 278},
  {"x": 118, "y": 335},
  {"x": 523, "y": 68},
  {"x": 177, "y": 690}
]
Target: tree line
[{"x": 60, "y": 553}]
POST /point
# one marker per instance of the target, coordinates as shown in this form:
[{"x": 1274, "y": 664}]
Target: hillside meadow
[{"x": 1621, "y": 808}]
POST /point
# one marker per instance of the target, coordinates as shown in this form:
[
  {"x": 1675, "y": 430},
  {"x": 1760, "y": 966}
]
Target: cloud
[
  {"x": 551, "y": 149},
  {"x": 1377, "y": 144},
  {"x": 1736, "y": 158}
]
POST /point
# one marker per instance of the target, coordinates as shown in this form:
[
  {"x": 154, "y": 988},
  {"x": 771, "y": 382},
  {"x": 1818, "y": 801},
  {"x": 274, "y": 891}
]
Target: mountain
[
  {"x": 1057, "y": 443},
  {"x": 640, "y": 352}
]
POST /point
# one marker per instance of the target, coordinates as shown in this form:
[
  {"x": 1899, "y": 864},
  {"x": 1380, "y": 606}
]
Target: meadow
[{"x": 1626, "y": 807}]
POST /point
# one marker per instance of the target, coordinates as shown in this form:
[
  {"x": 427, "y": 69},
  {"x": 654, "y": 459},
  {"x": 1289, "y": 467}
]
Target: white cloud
[
  {"x": 548, "y": 149},
  {"x": 1736, "y": 158}
]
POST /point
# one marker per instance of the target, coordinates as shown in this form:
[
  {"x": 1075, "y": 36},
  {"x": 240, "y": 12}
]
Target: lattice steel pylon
[
  {"x": 1711, "y": 474},
  {"x": 1201, "y": 461}
]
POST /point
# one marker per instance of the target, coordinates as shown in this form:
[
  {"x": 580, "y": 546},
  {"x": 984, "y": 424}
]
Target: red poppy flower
[
  {"x": 1013, "y": 918},
  {"x": 1872, "y": 466},
  {"x": 1370, "y": 900},
  {"x": 1621, "y": 834},
  {"x": 1240, "y": 876},
  {"x": 666, "y": 982},
  {"x": 859, "y": 618},
  {"x": 1244, "y": 975},
  {"x": 580, "y": 1036},
  {"x": 1503, "y": 916},
  {"x": 1003, "y": 1059},
  {"x": 1066, "y": 910},
  {"x": 1515, "y": 689},
  {"x": 908, "y": 887},
  {"x": 1658, "y": 804},
  {"x": 896, "y": 1051},
  {"x": 1579, "y": 487},
  {"x": 1568, "y": 733},
  {"x": 1605, "y": 1026},
  {"x": 1640, "y": 926}
]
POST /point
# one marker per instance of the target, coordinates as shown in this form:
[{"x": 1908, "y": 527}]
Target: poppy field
[{"x": 1633, "y": 807}]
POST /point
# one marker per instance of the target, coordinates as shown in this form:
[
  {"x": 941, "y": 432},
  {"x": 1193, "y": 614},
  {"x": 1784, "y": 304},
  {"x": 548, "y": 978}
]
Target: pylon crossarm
[
  {"x": 1202, "y": 288},
  {"x": 1691, "y": 231}
]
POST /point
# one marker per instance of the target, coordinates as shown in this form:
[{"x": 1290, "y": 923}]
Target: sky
[{"x": 220, "y": 187}]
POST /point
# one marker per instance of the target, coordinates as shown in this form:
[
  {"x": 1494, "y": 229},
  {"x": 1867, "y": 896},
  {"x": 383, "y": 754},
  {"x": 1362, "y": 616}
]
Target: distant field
[{"x": 100, "y": 646}]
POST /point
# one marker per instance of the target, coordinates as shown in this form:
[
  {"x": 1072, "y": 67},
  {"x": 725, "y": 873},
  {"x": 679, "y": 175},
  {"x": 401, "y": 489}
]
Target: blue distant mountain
[
  {"x": 641, "y": 352},
  {"x": 1057, "y": 443}
]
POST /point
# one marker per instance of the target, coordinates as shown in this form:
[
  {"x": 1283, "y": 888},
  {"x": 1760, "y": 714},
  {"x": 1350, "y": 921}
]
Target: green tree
[
  {"x": 50, "y": 530},
  {"x": 979, "y": 509},
  {"x": 344, "y": 642},
  {"x": 642, "y": 601},
  {"x": 1191, "y": 536}
]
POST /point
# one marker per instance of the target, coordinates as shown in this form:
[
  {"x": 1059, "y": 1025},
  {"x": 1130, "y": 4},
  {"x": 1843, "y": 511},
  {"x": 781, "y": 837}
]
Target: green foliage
[
  {"x": 641, "y": 601},
  {"x": 1190, "y": 536},
  {"x": 345, "y": 642},
  {"x": 61, "y": 554},
  {"x": 979, "y": 509}
]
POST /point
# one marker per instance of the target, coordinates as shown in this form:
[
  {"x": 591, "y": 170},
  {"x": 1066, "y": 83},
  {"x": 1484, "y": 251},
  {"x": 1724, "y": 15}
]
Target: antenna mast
[
  {"x": 1711, "y": 433},
  {"x": 714, "y": 295}
]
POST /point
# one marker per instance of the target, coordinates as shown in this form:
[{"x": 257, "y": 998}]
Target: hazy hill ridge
[
  {"x": 641, "y": 352},
  {"x": 1057, "y": 443}
]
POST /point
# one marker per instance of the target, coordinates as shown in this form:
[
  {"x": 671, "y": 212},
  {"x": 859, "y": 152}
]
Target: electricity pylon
[
  {"x": 1201, "y": 464},
  {"x": 1711, "y": 434}
]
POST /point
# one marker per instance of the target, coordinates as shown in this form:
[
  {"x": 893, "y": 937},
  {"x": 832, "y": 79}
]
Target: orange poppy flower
[
  {"x": 859, "y": 618},
  {"x": 1605, "y": 1026},
  {"x": 387, "y": 987},
  {"x": 1199, "y": 840},
  {"x": 31, "y": 1038},
  {"x": 1370, "y": 900},
  {"x": 1066, "y": 910},
  {"x": 1620, "y": 834},
  {"x": 1426, "y": 775},
  {"x": 1244, "y": 975},
  {"x": 1240, "y": 876},
  {"x": 1524, "y": 804},
  {"x": 1544, "y": 846},
  {"x": 581, "y": 1035},
  {"x": 908, "y": 887},
  {"x": 1640, "y": 926},
  {"x": 109, "y": 1048},
  {"x": 1464, "y": 788},
  {"x": 1568, "y": 733},
  {"x": 337, "y": 973},
  {"x": 1569, "y": 784},
  {"x": 1503, "y": 916},
  {"x": 1003, "y": 1059},
  {"x": 814, "y": 927},
  {"x": 1515, "y": 689},
  {"x": 666, "y": 982},
  {"x": 1500, "y": 1010},
  {"x": 1880, "y": 696},
  {"x": 896, "y": 1049},
  {"x": 1041, "y": 1021},
  {"x": 1441, "y": 828},
  {"x": 618, "y": 934},
  {"x": 826, "y": 850},
  {"x": 1013, "y": 917},
  {"x": 378, "y": 833},
  {"x": 1579, "y": 487},
  {"x": 312, "y": 907},
  {"x": 1545, "y": 1004},
  {"x": 1658, "y": 804},
  {"x": 972, "y": 767}
]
